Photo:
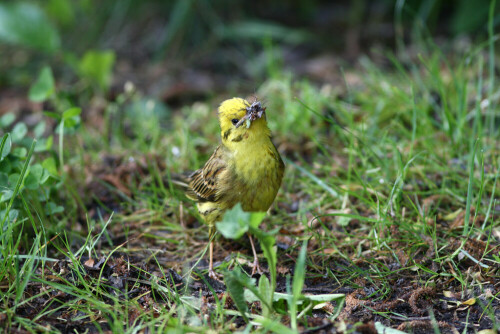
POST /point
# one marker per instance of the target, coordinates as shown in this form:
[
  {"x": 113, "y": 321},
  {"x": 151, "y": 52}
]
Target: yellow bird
[{"x": 245, "y": 168}]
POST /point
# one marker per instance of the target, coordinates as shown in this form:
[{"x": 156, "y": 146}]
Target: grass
[{"x": 390, "y": 178}]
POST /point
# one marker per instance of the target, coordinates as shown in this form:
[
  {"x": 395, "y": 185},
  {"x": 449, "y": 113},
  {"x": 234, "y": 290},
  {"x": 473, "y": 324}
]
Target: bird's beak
[
  {"x": 242, "y": 120},
  {"x": 251, "y": 115}
]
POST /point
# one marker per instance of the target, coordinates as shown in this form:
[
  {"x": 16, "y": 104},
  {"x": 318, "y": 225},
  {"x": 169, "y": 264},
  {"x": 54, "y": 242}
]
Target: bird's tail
[{"x": 181, "y": 182}]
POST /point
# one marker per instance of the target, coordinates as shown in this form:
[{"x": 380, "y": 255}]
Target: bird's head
[{"x": 242, "y": 121}]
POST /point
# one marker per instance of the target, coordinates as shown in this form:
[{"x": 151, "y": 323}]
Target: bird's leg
[
  {"x": 211, "y": 273},
  {"x": 255, "y": 265}
]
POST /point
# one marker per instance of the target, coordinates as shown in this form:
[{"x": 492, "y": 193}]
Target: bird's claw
[
  {"x": 256, "y": 267},
  {"x": 213, "y": 275}
]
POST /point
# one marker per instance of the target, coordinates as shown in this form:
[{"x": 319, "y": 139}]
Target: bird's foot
[
  {"x": 213, "y": 275},
  {"x": 256, "y": 267}
]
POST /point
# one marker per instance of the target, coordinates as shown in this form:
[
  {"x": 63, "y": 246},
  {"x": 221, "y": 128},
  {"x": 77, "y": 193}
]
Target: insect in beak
[{"x": 254, "y": 111}]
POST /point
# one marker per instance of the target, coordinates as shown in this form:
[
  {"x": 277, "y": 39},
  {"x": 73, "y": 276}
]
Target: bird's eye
[{"x": 235, "y": 121}]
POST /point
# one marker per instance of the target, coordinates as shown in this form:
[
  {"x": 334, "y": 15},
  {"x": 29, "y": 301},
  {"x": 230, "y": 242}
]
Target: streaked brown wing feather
[{"x": 203, "y": 185}]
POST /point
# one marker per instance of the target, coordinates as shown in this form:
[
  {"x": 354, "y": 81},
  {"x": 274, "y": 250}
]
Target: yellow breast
[{"x": 259, "y": 171}]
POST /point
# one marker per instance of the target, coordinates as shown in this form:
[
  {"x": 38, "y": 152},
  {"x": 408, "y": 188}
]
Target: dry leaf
[
  {"x": 448, "y": 294},
  {"x": 89, "y": 263},
  {"x": 469, "y": 302}
]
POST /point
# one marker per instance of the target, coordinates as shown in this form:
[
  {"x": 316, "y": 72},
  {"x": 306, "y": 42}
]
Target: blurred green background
[{"x": 183, "y": 50}]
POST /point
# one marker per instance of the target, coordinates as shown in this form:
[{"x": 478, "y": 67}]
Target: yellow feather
[{"x": 245, "y": 168}]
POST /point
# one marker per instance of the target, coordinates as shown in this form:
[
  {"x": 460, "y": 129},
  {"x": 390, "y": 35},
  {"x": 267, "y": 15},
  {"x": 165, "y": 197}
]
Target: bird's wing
[{"x": 203, "y": 185}]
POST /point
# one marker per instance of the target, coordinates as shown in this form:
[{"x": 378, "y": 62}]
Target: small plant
[
  {"x": 18, "y": 176},
  {"x": 30, "y": 175},
  {"x": 243, "y": 289}
]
